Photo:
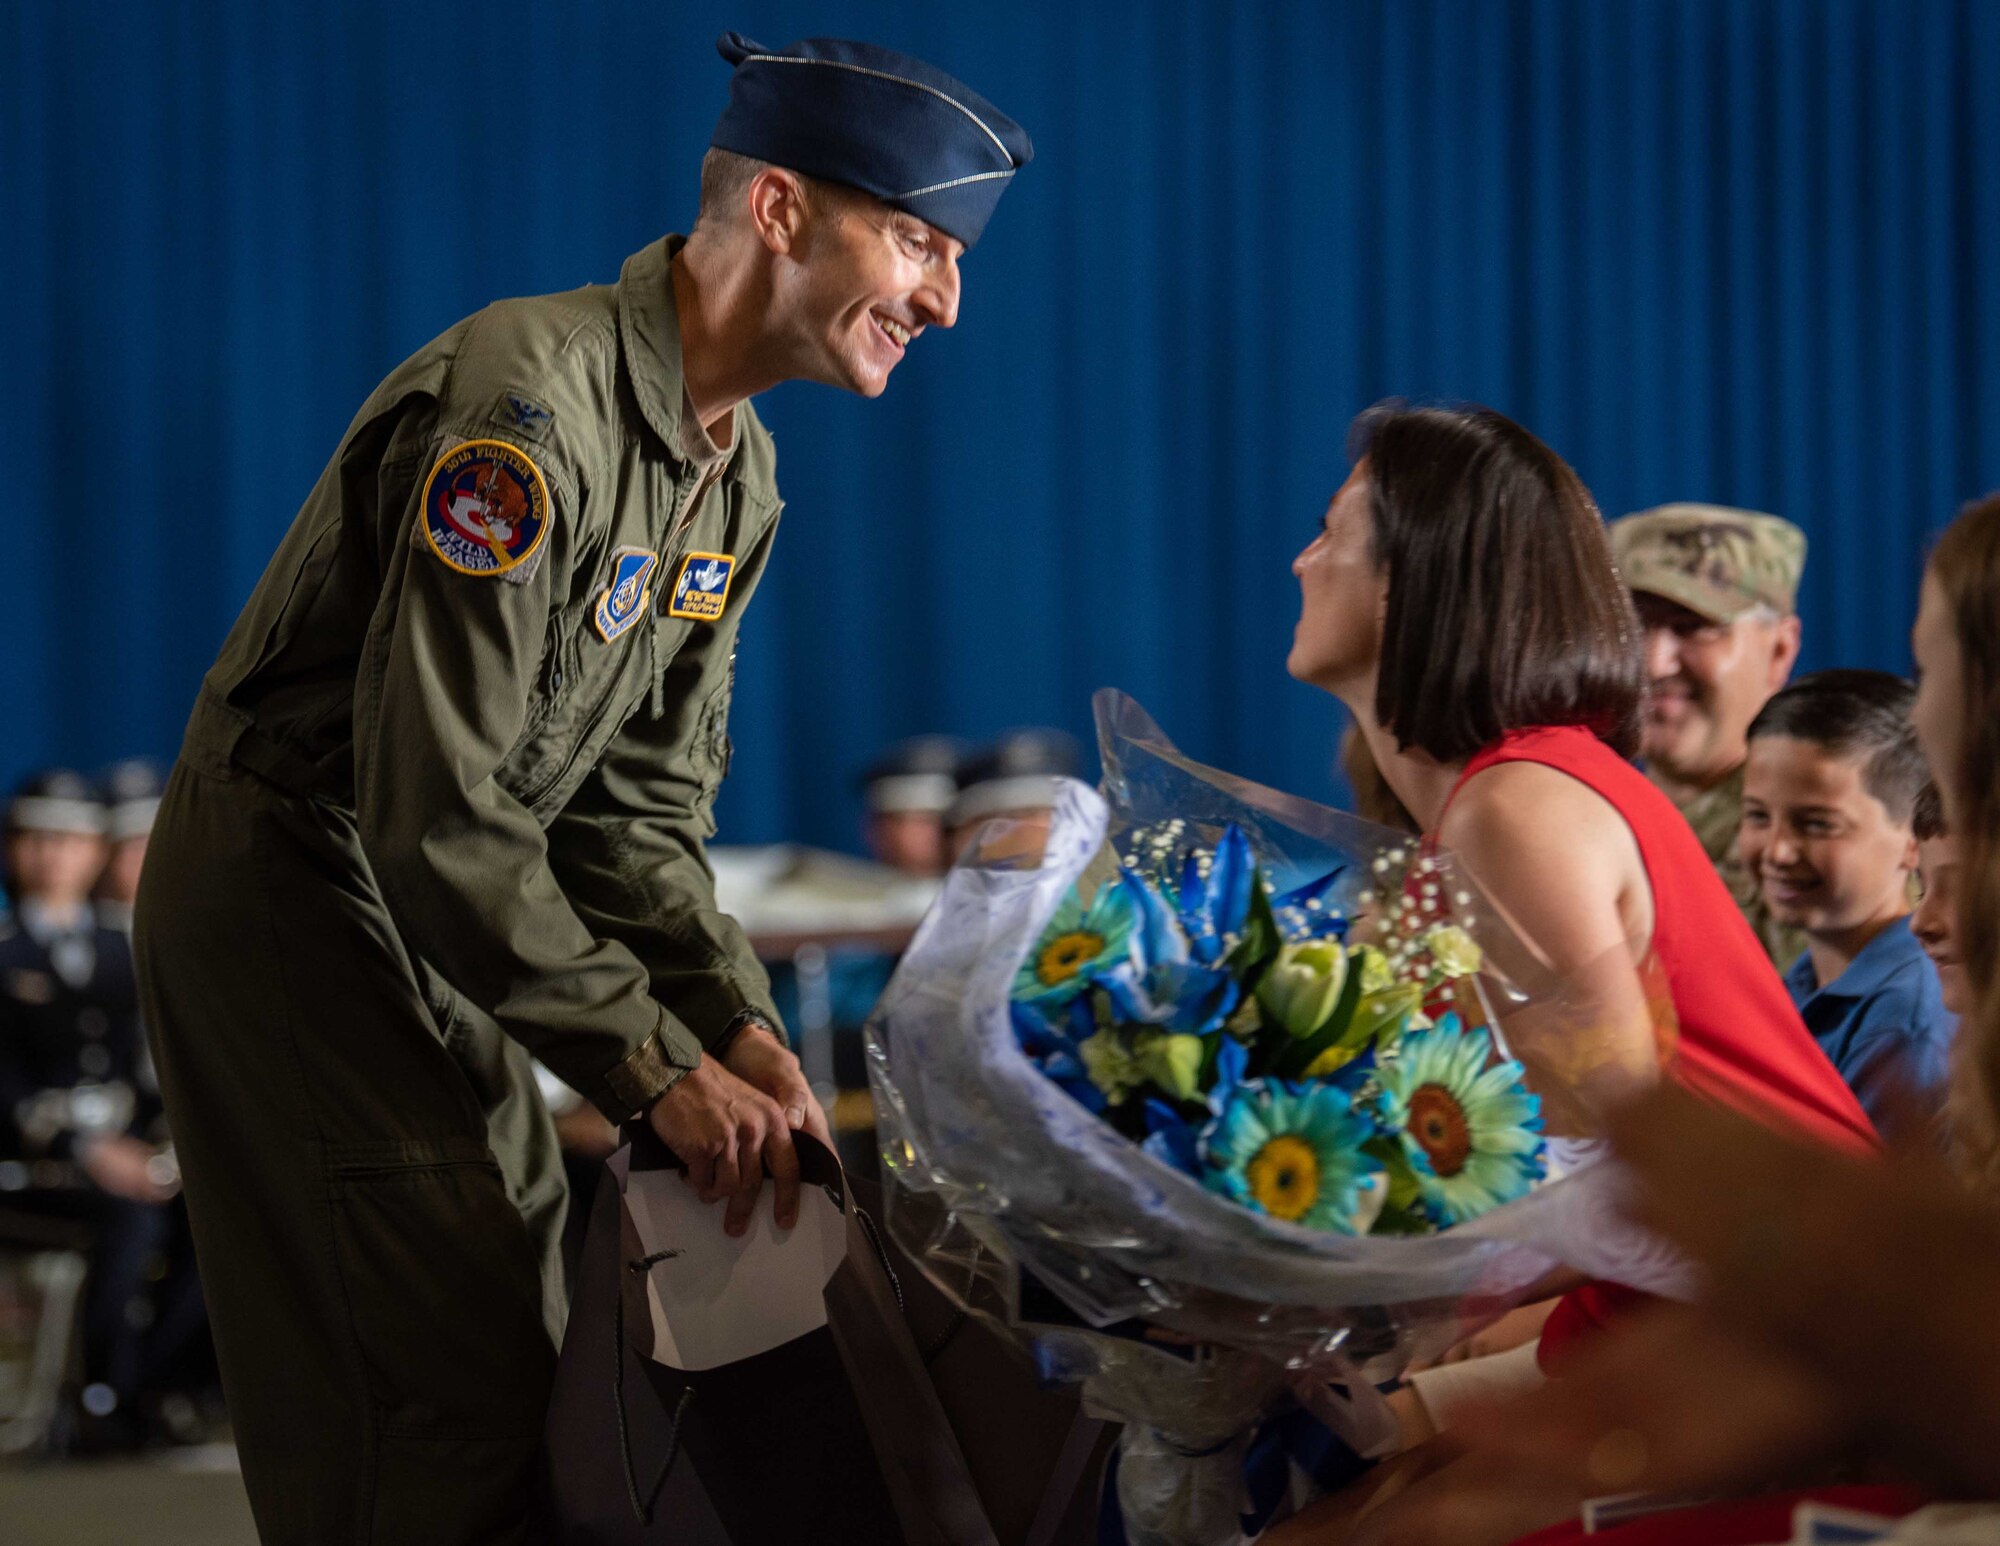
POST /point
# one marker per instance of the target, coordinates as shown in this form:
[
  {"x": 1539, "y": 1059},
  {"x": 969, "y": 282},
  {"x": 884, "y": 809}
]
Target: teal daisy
[
  {"x": 1078, "y": 942},
  {"x": 1295, "y": 1153},
  {"x": 1471, "y": 1133}
]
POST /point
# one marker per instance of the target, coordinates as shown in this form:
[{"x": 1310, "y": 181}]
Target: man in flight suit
[{"x": 442, "y": 800}]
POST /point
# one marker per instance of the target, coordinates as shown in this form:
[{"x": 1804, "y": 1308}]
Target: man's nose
[
  {"x": 1783, "y": 849},
  {"x": 1663, "y": 654},
  {"x": 938, "y": 299}
]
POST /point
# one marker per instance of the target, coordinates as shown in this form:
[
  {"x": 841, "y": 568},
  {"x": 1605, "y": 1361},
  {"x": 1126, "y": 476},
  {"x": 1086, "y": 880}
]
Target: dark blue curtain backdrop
[{"x": 1722, "y": 249}]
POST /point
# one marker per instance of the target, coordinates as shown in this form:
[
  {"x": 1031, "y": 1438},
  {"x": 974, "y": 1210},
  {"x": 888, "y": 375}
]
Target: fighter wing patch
[
  {"x": 623, "y": 601},
  {"x": 701, "y": 589},
  {"x": 486, "y": 508}
]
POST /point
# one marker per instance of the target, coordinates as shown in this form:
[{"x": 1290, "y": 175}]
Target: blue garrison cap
[{"x": 876, "y": 120}]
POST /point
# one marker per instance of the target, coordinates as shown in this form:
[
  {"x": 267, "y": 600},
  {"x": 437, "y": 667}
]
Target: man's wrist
[{"x": 745, "y": 1020}]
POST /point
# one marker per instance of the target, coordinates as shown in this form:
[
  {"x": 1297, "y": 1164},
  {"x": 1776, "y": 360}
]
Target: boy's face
[
  {"x": 1826, "y": 853},
  {"x": 1935, "y": 922}
]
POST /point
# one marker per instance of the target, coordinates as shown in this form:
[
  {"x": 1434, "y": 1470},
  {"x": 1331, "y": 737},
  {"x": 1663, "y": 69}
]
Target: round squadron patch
[{"x": 486, "y": 508}]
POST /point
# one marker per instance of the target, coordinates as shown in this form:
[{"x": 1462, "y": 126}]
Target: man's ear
[
  {"x": 778, "y": 213},
  {"x": 1785, "y": 636}
]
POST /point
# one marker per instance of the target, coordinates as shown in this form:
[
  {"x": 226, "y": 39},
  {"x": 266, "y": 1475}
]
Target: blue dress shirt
[{"x": 1882, "y": 1021}]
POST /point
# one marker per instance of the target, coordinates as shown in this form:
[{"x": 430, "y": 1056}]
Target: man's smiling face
[
  {"x": 869, "y": 280},
  {"x": 1705, "y": 683}
]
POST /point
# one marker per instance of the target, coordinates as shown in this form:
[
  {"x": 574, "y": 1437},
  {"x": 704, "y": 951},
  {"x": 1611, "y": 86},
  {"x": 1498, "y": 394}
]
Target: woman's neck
[{"x": 1420, "y": 781}]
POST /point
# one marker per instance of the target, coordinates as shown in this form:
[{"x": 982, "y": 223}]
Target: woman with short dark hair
[{"x": 1461, "y": 600}]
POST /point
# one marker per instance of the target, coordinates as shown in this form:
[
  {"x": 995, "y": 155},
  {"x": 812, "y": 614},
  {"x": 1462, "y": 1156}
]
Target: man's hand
[
  {"x": 757, "y": 1057},
  {"x": 731, "y": 1120}
]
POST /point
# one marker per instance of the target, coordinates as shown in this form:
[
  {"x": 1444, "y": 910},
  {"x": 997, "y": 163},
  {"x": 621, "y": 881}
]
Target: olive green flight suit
[
  {"x": 1715, "y": 814},
  {"x": 427, "y": 822}
]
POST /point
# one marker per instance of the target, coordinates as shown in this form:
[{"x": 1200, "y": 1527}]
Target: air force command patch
[
  {"x": 486, "y": 508},
  {"x": 701, "y": 590},
  {"x": 623, "y": 602}
]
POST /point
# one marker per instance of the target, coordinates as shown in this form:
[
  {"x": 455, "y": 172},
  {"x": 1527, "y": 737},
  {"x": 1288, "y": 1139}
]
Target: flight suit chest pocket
[{"x": 580, "y": 677}]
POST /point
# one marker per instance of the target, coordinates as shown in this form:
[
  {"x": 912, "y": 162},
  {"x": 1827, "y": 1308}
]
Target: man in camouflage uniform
[
  {"x": 1716, "y": 591},
  {"x": 442, "y": 800}
]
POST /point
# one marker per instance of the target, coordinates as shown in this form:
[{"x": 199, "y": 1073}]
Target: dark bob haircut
[
  {"x": 1857, "y": 716},
  {"x": 1505, "y": 609}
]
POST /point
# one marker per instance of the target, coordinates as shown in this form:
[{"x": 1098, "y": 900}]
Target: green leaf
[{"x": 1260, "y": 939}]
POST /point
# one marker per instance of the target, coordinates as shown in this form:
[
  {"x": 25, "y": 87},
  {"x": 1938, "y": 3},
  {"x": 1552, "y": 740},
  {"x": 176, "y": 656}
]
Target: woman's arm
[{"x": 1559, "y": 865}]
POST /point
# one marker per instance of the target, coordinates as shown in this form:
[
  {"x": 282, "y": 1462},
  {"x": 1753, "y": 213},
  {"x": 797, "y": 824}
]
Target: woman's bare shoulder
[
  {"x": 1527, "y": 802},
  {"x": 1554, "y": 854}
]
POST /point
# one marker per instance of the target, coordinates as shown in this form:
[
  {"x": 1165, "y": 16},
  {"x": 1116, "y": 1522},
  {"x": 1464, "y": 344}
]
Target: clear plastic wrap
[{"x": 995, "y": 1171}]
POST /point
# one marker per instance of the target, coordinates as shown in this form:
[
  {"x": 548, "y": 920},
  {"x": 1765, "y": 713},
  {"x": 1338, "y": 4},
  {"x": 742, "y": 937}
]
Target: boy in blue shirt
[{"x": 1828, "y": 796}]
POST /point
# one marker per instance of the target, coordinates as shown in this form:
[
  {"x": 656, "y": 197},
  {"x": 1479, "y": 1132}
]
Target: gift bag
[{"x": 899, "y": 1420}]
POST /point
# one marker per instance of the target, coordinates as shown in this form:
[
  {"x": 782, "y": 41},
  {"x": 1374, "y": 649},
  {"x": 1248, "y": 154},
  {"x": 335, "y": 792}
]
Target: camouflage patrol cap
[{"x": 1711, "y": 559}]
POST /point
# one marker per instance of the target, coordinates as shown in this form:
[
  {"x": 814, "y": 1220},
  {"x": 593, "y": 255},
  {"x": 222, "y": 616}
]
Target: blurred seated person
[
  {"x": 1013, "y": 780},
  {"x": 1935, "y": 922},
  {"x": 82, "y": 1134},
  {"x": 132, "y": 791},
  {"x": 1716, "y": 591},
  {"x": 906, "y": 793}
]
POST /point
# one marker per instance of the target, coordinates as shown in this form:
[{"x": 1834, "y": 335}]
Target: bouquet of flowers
[
  {"x": 1218, "y": 1107},
  {"x": 1236, "y": 1034}
]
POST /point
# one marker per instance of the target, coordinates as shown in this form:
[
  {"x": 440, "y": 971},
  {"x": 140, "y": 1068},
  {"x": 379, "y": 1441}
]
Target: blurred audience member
[
  {"x": 1374, "y": 800},
  {"x": 132, "y": 790},
  {"x": 1829, "y": 793},
  {"x": 82, "y": 1135},
  {"x": 907, "y": 792},
  {"x": 1014, "y": 780},
  {"x": 1716, "y": 591},
  {"x": 1934, "y": 921}
]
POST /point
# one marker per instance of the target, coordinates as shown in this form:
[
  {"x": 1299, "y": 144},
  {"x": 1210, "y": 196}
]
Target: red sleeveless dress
[{"x": 1741, "y": 1041}]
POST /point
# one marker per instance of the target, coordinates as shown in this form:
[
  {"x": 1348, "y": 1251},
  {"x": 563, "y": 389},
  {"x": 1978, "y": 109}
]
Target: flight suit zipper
[
  {"x": 682, "y": 521},
  {"x": 595, "y": 717}
]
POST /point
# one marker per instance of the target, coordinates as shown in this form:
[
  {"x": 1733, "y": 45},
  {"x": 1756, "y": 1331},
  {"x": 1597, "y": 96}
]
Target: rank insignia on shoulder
[
  {"x": 486, "y": 508},
  {"x": 523, "y": 415},
  {"x": 623, "y": 602},
  {"x": 701, "y": 590}
]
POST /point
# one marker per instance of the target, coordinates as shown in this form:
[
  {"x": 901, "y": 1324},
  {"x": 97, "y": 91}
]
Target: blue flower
[
  {"x": 1162, "y": 983},
  {"x": 1056, "y": 1053},
  {"x": 1171, "y": 1138},
  {"x": 1302, "y": 912},
  {"x": 1078, "y": 943},
  {"x": 1471, "y": 1133},
  {"x": 1214, "y": 898},
  {"x": 1295, "y": 1153}
]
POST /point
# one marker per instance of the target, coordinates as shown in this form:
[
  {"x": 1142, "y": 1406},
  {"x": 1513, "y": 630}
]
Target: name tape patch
[
  {"x": 486, "y": 508},
  {"x": 701, "y": 589},
  {"x": 623, "y": 601}
]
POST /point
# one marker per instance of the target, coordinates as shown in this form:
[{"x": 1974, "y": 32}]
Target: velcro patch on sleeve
[
  {"x": 523, "y": 415},
  {"x": 486, "y": 510}
]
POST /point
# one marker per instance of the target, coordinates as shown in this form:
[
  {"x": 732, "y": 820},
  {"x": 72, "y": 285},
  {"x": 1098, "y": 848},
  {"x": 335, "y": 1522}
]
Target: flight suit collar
[
  {"x": 650, "y": 335},
  {"x": 649, "y": 332}
]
